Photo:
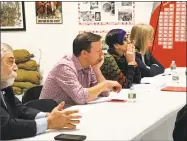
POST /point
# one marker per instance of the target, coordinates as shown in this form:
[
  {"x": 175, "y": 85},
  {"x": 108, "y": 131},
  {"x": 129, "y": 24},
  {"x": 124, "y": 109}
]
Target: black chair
[
  {"x": 44, "y": 105},
  {"x": 32, "y": 94},
  {"x": 180, "y": 128}
]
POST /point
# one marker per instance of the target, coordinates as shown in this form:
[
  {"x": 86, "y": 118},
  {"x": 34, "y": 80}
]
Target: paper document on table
[
  {"x": 118, "y": 96},
  {"x": 82, "y": 108},
  {"x": 147, "y": 80},
  {"x": 112, "y": 95},
  {"x": 99, "y": 100},
  {"x": 149, "y": 87},
  {"x": 174, "y": 89}
]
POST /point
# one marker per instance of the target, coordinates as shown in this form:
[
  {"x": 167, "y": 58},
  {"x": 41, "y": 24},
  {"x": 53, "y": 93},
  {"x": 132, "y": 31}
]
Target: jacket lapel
[{"x": 9, "y": 101}]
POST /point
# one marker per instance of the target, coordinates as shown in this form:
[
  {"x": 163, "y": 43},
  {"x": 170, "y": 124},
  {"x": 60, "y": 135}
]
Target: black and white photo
[
  {"x": 107, "y": 7},
  {"x": 123, "y": 3},
  {"x": 106, "y": 12},
  {"x": 93, "y": 5},
  {"x": 87, "y": 16},
  {"x": 125, "y": 15},
  {"x": 97, "y": 16}
]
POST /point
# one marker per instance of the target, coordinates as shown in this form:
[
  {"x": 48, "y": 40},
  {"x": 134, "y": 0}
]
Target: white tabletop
[{"x": 123, "y": 120}]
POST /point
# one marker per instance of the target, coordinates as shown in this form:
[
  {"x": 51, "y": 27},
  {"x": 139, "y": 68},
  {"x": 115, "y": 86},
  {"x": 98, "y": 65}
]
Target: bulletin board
[
  {"x": 106, "y": 13},
  {"x": 170, "y": 33}
]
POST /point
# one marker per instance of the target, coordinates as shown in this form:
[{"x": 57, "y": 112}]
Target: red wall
[{"x": 178, "y": 50}]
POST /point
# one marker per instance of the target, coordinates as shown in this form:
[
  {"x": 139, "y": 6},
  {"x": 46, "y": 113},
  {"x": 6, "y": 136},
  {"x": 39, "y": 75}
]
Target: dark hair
[
  {"x": 83, "y": 42},
  {"x": 115, "y": 36}
]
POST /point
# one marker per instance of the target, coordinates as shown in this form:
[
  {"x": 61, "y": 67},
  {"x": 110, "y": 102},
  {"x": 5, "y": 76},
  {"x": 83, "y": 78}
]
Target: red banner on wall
[{"x": 169, "y": 22}]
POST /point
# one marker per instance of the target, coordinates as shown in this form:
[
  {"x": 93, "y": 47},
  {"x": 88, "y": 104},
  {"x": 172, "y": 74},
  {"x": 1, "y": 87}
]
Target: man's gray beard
[{"x": 9, "y": 81}]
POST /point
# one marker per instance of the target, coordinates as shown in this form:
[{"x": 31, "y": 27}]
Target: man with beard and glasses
[{"x": 18, "y": 120}]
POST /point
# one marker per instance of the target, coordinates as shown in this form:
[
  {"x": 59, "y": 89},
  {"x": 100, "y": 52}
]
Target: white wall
[{"x": 55, "y": 40}]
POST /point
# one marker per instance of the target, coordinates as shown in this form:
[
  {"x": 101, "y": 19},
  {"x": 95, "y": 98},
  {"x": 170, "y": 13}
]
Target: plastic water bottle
[
  {"x": 132, "y": 95},
  {"x": 173, "y": 66},
  {"x": 175, "y": 76}
]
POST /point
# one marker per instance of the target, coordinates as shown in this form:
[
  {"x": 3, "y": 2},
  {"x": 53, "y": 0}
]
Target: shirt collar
[{"x": 2, "y": 92}]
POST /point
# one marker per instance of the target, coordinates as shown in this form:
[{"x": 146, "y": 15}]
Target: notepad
[
  {"x": 148, "y": 80},
  {"x": 174, "y": 89},
  {"x": 117, "y": 100},
  {"x": 82, "y": 108}
]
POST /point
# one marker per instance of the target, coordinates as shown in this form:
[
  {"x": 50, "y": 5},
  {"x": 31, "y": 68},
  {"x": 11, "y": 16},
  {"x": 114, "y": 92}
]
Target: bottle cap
[{"x": 132, "y": 88}]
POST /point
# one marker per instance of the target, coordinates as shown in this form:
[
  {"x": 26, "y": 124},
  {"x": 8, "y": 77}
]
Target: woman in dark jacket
[
  {"x": 119, "y": 63},
  {"x": 142, "y": 35}
]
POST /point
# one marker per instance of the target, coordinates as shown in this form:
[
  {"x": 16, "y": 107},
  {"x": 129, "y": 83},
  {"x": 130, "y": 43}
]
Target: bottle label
[
  {"x": 131, "y": 95},
  {"x": 175, "y": 77},
  {"x": 173, "y": 67}
]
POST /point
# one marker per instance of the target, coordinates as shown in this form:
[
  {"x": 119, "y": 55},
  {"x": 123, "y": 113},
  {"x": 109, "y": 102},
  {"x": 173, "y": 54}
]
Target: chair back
[
  {"x": 180, "y": 129},
  {"x": 44, "y": 105},
  {"x": 32, "y": 94}
]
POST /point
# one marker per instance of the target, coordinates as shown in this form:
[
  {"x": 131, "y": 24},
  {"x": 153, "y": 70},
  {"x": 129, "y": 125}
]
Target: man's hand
[
  {"x": 98, "y": 65},
  {"x": 58, "y": 119},
  {"x": 112, "y": 86}
]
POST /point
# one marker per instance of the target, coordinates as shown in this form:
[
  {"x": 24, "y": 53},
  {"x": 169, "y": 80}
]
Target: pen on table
[{"x": 166, "y": 74}]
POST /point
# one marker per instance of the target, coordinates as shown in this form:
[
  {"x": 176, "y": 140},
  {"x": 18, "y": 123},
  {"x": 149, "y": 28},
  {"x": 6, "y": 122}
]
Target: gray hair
[{"x": 5, "y": 48}]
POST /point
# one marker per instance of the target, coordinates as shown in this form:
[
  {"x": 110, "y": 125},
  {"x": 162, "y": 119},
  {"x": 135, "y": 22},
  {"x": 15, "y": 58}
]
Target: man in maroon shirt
[{"x": 77, "y": 79}]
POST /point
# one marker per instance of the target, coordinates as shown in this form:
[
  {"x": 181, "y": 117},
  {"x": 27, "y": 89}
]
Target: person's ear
[
  {"x": 116, "y": 46},
  {"x": 84, "y": 53}
]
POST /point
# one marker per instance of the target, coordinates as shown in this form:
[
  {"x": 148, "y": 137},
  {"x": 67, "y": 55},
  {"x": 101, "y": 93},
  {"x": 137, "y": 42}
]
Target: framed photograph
[
  {"x": 12, "y": 16},
  {"x": 48, "y": 12}
]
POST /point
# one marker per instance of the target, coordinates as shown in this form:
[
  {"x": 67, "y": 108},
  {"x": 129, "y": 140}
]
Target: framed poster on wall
[
  {"x": 106, "y": 13},
  {"x": 49, "y": 12},
  {"x": 12, "y": 16}
]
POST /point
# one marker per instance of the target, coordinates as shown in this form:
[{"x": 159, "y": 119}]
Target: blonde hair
[{"x": 140, "y": 33}]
